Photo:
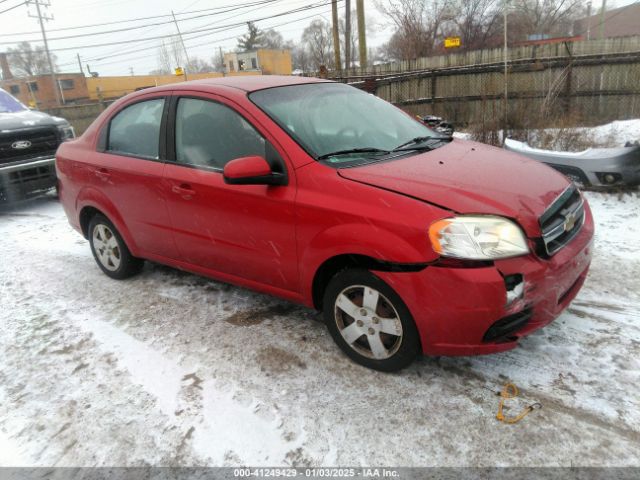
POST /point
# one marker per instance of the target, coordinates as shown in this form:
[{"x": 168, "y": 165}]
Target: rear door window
[{"x": 135, "y": 130}]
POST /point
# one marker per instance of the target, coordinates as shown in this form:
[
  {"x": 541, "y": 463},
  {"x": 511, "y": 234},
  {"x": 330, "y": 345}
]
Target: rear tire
[
  {"x": 369, "y": 321},
  {"x": 109, "y": 250}
]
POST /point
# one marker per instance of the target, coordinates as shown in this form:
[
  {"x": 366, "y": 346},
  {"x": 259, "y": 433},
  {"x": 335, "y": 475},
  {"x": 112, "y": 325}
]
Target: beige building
[{"x": 265, "y": 61}]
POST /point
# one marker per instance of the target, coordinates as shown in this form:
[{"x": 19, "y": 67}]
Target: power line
[
  {"x": 119, "y": 52},
  {"x": 192, "y": 32},
  {"x": 217, "y": 40},
  {"x": 135, "y": 27},
  {"x": 183, "y": 12},
  {"x": 11, "y": 8},
  {"x": 153, "y": 17}
]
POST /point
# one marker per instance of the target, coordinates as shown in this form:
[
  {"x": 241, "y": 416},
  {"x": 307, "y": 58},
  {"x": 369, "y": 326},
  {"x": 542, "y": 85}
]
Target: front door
[{"x": 246, "y": 231}]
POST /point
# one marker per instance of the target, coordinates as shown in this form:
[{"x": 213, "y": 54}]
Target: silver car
[{"x": 594, "y": 167}]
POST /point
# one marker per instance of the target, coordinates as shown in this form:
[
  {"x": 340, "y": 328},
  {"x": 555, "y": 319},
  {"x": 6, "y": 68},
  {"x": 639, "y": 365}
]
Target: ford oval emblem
[{"x": 21, "y": 144}]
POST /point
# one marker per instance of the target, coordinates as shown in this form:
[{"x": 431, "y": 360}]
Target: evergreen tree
[{"x": 252, "y": 40}]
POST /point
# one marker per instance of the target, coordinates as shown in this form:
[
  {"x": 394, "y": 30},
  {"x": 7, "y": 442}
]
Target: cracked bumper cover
[{"x": 454, "y": 307}]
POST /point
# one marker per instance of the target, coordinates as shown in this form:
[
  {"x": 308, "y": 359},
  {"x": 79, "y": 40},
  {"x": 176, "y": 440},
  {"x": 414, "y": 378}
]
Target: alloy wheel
[
  {"x": 106, "y": 247},
  {"x": 368, "y": 322}
]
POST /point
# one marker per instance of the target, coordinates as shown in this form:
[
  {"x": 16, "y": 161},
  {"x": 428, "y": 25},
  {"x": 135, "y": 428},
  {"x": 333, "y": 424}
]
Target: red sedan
[{"x": 324, "y": 195}]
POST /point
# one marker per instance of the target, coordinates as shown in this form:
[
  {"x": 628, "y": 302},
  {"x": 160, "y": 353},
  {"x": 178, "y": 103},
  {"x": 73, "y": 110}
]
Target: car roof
[{"x": 249, "y": 83}]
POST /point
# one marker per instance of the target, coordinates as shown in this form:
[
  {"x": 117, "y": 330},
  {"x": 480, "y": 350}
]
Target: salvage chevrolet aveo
[{"x": 322, "y": 194}]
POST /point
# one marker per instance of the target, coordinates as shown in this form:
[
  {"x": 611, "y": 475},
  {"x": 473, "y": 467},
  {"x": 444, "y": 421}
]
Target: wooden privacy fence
[{"x": 594, "y": 82}]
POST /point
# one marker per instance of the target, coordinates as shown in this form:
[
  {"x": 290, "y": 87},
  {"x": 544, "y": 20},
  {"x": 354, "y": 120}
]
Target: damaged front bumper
[{"x": 471, "y": 311}]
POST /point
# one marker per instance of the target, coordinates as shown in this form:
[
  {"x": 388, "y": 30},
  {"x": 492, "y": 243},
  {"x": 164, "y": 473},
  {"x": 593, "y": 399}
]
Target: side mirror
[{"x": 251, "y": 171}]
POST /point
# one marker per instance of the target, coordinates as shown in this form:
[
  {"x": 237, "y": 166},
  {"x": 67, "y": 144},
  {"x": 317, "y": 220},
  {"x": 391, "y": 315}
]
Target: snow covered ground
[
  {"x": 613, "y": 134},
  {"x": 169, "y": 368}
]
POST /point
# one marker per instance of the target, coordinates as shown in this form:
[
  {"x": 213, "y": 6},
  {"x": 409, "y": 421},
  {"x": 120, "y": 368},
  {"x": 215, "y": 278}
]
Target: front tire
[
  {"x": 369, "y": 321},
  {"x": 109, "y": 250}
]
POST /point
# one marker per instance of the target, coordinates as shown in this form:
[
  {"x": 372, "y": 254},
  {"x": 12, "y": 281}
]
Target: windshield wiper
[
  {"x": 352, "y": 150},
  {"x": 418, "y": 140}
]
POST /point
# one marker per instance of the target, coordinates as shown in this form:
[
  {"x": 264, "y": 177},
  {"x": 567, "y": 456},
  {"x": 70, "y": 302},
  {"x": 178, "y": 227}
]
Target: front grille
[
  {"x": 43, "y": 142},
  {"x": 562, "y": 220}
]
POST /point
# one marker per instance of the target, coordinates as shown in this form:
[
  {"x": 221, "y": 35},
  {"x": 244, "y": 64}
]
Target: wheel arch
[
  {"x": 337, "y": 263},
  {"x": 85, "y": 216},
  {"x": 356, "y": 244},
  {"x": 91, "y": 202}
]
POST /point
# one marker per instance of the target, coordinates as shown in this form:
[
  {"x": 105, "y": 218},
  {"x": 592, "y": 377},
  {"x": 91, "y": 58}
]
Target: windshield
[
  {"x": 9, "y": 104},
  {"x": 332, "y": 117}
]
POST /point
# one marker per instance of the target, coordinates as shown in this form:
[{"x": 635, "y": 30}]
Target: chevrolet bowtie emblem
[{"x": 569, "y": 222}]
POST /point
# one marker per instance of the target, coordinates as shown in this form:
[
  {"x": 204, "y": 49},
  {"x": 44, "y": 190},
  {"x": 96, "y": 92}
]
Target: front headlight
[
  {"x": 66, "y": 132},
  {"x": 477, "y": 238}
]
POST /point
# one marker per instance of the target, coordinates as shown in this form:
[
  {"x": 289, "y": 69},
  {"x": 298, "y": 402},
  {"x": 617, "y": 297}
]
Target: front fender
[
  {"x": 91, "y": 197},
  {"x": 355, "y": 239}
]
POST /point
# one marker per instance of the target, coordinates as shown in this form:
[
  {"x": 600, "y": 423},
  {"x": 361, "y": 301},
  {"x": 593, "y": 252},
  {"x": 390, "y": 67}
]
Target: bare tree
[
  {"x": 272, "y": 39},
  {"x": 551, "y": 17},
  {"x": 198, "y": 65},
  {"x": 170, "y": 55},
  {"x": 417, "y": 26},
  {"x": 317, "y": 38},
  {"x": 26, "y": 61},
  {"x": 301, "y": 59},
  {"x": 477, "y": 22},
  {"x": 217, "y": 63},
  {"x": 164, "y": 60}
]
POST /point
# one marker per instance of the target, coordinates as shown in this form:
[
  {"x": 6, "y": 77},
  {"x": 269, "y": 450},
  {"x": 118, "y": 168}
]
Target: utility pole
[
  {"x": 183, "y": 47},
  {"x": 347, "y": 34},
  {"x": 362, "y": 34},
  {"x": 79, "y": 63},
  {"x": 589, "y": 20},
  {"x": 41, "y": 18},
  {"x": 221, "y": 59},
  {"x": 336, "y": 34},
  {"x": 602, "y": 12},
  {"x": 505, "y": 114}
]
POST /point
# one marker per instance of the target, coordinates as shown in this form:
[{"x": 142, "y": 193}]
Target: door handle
[
  {"x": 102, "y": 174},
  {"x": 184, "y": 190}
]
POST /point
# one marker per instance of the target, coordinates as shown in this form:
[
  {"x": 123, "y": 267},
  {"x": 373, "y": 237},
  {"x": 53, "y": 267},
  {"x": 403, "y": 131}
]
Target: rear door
[
  {"x": 129, "y": 170},
  {"x": 246, "y": 231}
]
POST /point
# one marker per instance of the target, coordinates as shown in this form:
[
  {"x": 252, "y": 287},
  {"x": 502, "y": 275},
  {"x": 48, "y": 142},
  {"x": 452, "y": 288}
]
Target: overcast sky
[
  {"x": 141, "y": 56},
  {"x": 118, "y": 59}
]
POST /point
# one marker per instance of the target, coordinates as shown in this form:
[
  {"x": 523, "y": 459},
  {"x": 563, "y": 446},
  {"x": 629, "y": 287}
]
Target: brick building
[{"x": 38, "y": 91}]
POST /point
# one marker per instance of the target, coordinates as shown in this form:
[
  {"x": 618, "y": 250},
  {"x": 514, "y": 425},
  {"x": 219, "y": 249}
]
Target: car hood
[
  {"x": 469, "y": 177},
  {"x": 28, "y": 118}
]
